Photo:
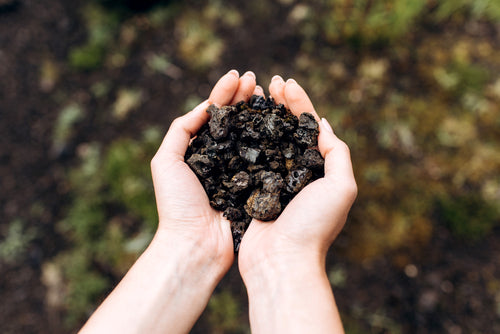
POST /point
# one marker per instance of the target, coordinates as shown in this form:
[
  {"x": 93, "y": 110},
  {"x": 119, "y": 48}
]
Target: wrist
[
  {"x": 166, "y": 290},
  {"x": 291, "y": 297},
  {"x": 194, "y": 260},
  {"x": 278, "y": 258},
  {"x": 282, "y": 270}
]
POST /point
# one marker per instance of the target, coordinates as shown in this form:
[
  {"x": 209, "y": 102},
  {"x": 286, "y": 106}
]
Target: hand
[
  {"x": 183, "y": 206},
  {"x": 282, "y": 262},
  {"x": 313, "y": 219},
  {"x": 168, "y": 287}
]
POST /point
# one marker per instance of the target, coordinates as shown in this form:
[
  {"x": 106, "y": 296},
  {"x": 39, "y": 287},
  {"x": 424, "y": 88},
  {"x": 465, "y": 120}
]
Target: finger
[
  {"x": 182, "y": 130},
  {"x": 338, "y": 165},
  {"x": 297, "y": 99},
  {"x": 225, "y": 88},
  {"x": 246, "y": 86},
  {"x": 258, "y": 91},
  {"x": 277, "y": 90}
]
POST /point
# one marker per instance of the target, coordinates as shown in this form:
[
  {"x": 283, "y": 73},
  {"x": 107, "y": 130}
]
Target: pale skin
[{"x": 282, "y": 263}]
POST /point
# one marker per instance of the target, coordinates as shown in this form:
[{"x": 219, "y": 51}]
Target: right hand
[{"x": 312, "y": 220}]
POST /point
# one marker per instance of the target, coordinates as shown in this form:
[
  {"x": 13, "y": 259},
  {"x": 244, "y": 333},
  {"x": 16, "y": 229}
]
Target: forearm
[
  {"x": 292, "y": 298},
  {"x": 166, "y": 290}
]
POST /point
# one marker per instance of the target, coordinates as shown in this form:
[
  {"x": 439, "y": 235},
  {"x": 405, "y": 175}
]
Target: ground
[{"x": 442, "y": 283}]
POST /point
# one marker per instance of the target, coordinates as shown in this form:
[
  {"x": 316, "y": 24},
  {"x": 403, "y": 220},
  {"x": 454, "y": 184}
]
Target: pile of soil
[{"x": 253, "y": 158}]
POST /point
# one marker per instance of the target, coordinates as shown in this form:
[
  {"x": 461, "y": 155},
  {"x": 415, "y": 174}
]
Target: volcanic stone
[{"x": 252, "y": 158}]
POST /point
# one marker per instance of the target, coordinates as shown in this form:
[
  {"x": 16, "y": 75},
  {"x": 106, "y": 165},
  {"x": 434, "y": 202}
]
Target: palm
[
  {"x": 183, "y": 205},
  {"x": 312, "y": 220},
  {"x": 309, "y": 222},
  {"x": 296, "y": 228},
  {"x": 183, "y": 200}
]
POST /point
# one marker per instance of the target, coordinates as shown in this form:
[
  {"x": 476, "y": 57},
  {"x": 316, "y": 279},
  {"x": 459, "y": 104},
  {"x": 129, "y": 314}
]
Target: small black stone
[
  {"x": 201, "y": 164},
  {"x": 312, "y": 159},
  {"x": 253, "y": 158},
  {"x": 263, "y": 205},
  {"x": 219, "y": 121},
  {"x": 239, "y": 182},
  {"x": 297, "y": 179}
]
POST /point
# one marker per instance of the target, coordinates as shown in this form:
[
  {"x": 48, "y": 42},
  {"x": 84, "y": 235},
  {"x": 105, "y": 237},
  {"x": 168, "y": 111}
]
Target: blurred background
[{"x": 89, "y": 88}]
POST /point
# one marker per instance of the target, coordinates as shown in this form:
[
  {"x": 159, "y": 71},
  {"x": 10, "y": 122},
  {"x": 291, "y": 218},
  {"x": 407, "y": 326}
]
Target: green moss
[
  {"x": 369, "y": 23},
  {"x": 127, "y": 170},
  {"x": 480, "y": 9},
  {"x": 102, "y": 27},
  {"x": 16, "y": 241},
  {"x": 224, "y": 314},
  {"x": 362, "y": 320},
  {"x": 111, "y": 219},
  {"x": 68, "y": 117},
  {"x": 468, "y": 217},
  {"x": 382, "y": 23},
  {"x": 199, "y": 45},
  {"x": 461, "y": 78},
  {"x": 84, "y": 285},
  {"x": 87, "y": 57},
  {"x": 160, "y": 15},
  {"x": 85, "y": 220}
]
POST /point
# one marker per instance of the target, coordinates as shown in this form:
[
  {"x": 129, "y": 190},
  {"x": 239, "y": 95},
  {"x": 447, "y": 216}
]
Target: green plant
[
  {"x": 102, "y": 27},
  {"x": 362, "y": 320},
  {"x": 84, "y": 284},
  {"x": 489, "y": 9},
  {"x": 468, "y": 216},
  {"x": 66, "y": 120},
  {"x": 199, "y": 44},
  {"x": 127, "y": 172},
  {"x": 87, "y": 57},
  {"x": 224, "y": 313},
  {"x": 16, "y": 241},
  {"x": 127, "y": 100},
  {"x": 110, "y": 221},
  {"x": 363, "y": 22},
  {"x": 460, "y": 78},
  {"x": 383, "y": 22}
]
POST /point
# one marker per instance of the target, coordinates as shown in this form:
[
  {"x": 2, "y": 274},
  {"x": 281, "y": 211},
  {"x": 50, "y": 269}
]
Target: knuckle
[
  {"x": 293, "y": 99},
  {"x": 154, "y": 162},
  {"x": 351, "y": 189},
  {"x": 347, "y": 188},
  {"x": 176, "y": 122},
  {"x": 344, "y": 147}
]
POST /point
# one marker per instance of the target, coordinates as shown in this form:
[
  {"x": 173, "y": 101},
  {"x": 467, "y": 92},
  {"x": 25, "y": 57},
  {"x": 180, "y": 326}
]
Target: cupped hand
[
  {"x": 185, "y": 215},
  {"x": 311, "y": 221}
]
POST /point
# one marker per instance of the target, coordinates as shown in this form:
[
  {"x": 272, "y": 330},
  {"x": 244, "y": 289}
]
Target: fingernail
[
  {"x": 234, "y": 72},
  {"x": 218, "y": 105},
  {"x": 291, "y": 81},
  {"x": 277, "y": 77},
  {"x": 202, "y": 106},
  {"x": 250, "y": 73},
  {"x": 326, "y": 125}
]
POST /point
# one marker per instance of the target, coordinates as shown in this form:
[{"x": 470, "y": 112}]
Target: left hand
[
  {"x": 170, "y": 284},
  {"x": 185, "y": 215}
]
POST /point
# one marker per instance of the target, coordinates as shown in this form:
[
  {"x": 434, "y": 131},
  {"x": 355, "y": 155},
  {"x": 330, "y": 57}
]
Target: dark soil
[{"x": 445, "y": 290}]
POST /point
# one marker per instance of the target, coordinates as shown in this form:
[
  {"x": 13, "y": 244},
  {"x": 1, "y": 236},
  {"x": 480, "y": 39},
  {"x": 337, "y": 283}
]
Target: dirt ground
[{"x": 447, "y": 289}]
